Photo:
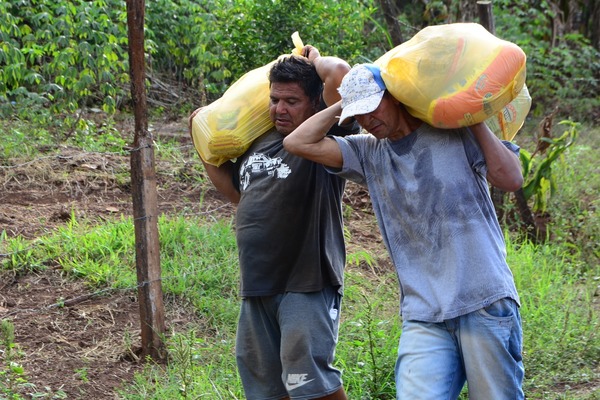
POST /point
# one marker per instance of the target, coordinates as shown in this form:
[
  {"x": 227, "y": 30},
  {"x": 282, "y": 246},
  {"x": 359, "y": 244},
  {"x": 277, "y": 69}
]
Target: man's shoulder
[{"x": 269, "y": 137}]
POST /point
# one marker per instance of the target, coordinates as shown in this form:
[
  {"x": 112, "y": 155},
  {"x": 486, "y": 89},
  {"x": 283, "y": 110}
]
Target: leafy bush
[
  {"x": 66, "y": 55},
  {"x": 540, "y": 178},
  {"x": 61, "y": 55},
  {"x": 212, "y": 45},
  {"x": 562, "y": 71}
]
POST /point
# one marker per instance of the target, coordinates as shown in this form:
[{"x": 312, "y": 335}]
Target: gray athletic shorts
[{"x": 286, "y": 345}]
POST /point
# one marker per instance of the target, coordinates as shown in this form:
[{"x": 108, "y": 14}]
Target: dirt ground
[
  {"x": 78, "y": 343},
  {"x": 75, "y": 340}
]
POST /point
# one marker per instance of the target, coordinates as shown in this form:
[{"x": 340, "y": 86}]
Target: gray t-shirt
[
  {"x": 289, "y": 223},
  {"x": 433, "y": 207}
]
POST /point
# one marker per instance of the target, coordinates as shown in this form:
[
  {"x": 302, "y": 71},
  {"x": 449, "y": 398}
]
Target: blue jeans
[{"x": 482, "y": 348}]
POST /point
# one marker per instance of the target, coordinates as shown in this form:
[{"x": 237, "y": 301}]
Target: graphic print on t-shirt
[{"x": 260, "y": 164}]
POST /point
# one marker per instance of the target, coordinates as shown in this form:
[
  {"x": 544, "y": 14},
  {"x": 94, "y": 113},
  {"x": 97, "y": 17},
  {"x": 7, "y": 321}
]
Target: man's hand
[{"x": 310, "y": 52}]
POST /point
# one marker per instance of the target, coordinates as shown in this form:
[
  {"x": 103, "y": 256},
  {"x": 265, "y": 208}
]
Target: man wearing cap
[{"x": 430, "y": 194}]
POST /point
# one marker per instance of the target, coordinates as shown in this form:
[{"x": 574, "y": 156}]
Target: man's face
[
  {"x": 383, "y": 121},
  {"x": 289, "y": 106}
]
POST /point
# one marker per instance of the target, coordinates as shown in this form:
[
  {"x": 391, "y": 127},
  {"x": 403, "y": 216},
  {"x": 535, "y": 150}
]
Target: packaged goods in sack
[
  {"x": 507, "y": 122},
  {"x": 225, "y": 129},
  {"x": 454, "y": 75}
]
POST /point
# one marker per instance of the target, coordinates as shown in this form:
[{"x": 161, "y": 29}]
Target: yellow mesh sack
[
  {"x": 457, "y": 75},
  {"x": 225, "y": 129}
]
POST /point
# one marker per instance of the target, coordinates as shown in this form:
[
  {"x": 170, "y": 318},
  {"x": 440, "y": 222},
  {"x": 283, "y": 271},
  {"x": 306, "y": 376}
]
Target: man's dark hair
[{"x": 299, "y": 70}]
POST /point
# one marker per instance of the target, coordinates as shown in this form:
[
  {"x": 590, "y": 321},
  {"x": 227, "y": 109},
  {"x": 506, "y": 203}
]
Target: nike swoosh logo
[{"x": 292, "y": 386}]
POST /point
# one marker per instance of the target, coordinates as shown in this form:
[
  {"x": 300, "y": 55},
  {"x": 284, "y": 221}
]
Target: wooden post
[
  {"x": 486, "y": 16},
  {"x": 391, "y": 20},
  {"x": 486, "y": 19},
  {"x": 143, "y": 188}
]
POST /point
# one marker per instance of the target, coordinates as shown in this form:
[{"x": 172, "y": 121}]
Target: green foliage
[
  {"x": 11, "y": 371},
  {"x": 574, "y": 208},
  {"x": 562, "y": 70},
  {"x": 185, "y": 43},
  {"x": 61, "y": 55},
  {"x": 211, "y": 45},
  {"x": 18, "y": 140},
  {"x": 201, "y": 367},
  {"x": 13, "y": 379},
  {"x": 370, "y": 331},
  {"x": 19, "y": 252},
  {"x": 567, "y": 75},
  {"x": 93, "y": 133},
  {"x": 105, "y": 256},
  {"x": 558, "y": 314},
  {"x": 540, "y": 179},
  {"x": 204, "y": 258}
]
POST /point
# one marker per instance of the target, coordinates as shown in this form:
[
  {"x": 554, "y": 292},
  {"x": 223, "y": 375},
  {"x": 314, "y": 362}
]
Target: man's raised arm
[
  {"x": 331, "y": 70},
  {"x": 309, "y": 140},
  {"x": 504, "y": 167}
]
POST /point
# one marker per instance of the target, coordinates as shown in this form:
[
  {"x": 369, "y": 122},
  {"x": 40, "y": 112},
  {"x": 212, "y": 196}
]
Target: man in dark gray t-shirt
[{"x": 289, "y": 231}]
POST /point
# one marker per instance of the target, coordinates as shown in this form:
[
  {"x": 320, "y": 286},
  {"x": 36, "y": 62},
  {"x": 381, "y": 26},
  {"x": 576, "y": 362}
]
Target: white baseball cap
[{"x": 362, "y": 90}]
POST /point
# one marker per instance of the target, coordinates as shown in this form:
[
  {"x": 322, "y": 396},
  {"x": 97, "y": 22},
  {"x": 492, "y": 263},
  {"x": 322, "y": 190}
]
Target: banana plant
[{"x": 540, "y": 180}]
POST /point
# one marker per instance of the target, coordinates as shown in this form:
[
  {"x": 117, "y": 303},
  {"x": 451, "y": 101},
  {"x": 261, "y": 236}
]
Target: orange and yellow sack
[
  {"x": 225, "y": 129},
  {"x": 457, "y": 75}
]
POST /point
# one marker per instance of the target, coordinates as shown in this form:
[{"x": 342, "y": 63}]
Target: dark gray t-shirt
[
  {"x": 289, "y": 223},
  {"x": 433, "y": 207}
]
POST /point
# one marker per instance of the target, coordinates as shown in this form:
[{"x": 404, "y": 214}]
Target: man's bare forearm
[
  {"x": 504, "y": 168},
  {"x": 309, "y": 139},
  {"x": 331, "y": 70}
]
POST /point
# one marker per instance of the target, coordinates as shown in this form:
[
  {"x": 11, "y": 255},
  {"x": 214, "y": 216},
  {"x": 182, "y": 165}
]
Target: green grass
[
  {"x": 557, "y": 282},
  {"x": 199, "y": 267},
  {"x": 560, "y": 324}
]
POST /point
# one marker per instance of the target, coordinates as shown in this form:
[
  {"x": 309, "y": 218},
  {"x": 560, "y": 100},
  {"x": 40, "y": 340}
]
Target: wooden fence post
[
  {"x": 143, "y": 188},
  {"x": 486, "y": 16},
  {"x": 486, "y": 19}
]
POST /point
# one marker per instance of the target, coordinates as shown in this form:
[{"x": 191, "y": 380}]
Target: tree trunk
[
  {"x": 527, "y": 218},
  {"x": 486, "y": 15},
  {"x": 591, "y": 21},
  {"x": 390, "y": 13}
]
